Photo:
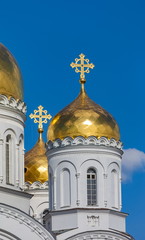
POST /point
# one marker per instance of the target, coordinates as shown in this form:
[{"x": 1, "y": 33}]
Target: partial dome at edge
[
  {"x": 83, "y": 117},
  {"x": 11, "y": 83}
]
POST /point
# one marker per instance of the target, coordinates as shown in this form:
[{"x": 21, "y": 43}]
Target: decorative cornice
[
  {"x": 68, "y": 141},
  {"x": 35, "y": 185},
  {"x": 111, "y": 235},
  {"x": 16, "y": 192},
  {"x": 13, "y": 103},
  {"x": 23, "y": 218}
]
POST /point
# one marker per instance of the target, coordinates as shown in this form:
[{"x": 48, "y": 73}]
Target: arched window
[
  {"x": 9, "y": 159},
  {"x": 91, "y": 187}
]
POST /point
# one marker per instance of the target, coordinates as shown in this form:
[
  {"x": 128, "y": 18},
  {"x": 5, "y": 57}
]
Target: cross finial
[
  {"x": 82, "y": 66},
  {"x": 40, "y": 118}
]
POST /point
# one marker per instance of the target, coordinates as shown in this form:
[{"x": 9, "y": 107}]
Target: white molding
[
  {"x": 13, "y": 103},
  {"x": 35, "y": 185},
  {"x": 101, "y": 235},
  {"x": 68, "y": 141}
]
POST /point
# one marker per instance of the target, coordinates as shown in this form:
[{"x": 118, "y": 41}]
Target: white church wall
[
  {"x": 80, "y": 160},
  {"x": 64, "y": 188},
  {"x": 11, "y": 149},
  {"x": 79, "y": 221},
  {"x": 104, "y": 163},
  {"x": 114, "y": 186},
  {"x": 16, "y": 224},
  {"x": 94, "y": 164},
  {"x": 39, "y": 202},
  {"x": 14, "y": 198},
  {"x": 117, "y": 222},
  {"x": 64, "y": 221}
]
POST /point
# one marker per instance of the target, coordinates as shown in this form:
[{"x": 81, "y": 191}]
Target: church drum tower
[{"x": 85, "y": 152}]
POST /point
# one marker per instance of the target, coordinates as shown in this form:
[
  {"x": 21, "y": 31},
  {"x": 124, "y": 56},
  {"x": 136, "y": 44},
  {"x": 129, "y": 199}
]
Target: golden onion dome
[
  {"x": 11, "y": 83},
  {"x": 83, "y": 117},
  {"x": 36, "y": 163}
]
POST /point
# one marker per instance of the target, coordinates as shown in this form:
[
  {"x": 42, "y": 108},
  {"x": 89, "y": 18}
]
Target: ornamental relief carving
[
  {"x": 68, "y": 141},
  {"x": 36, "y": 185},
  {"x": 101, "y": 235},
  {"x": 12, "y": 102},
  {"x": 26, "y": 220},
  {"x": 93, "y": 220}
]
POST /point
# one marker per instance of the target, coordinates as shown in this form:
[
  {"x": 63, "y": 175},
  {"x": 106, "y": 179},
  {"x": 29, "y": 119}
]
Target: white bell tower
[
  {"x": 12, "y": 119},
  {"x": 84, "y": 154},
  {"x": 85, "y": 184}
]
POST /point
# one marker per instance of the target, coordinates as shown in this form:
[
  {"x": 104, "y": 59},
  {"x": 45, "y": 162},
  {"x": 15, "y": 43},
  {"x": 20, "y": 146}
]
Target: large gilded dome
[
  {"x": 11, "y": 83},
  {"x": 83, "y": 117},
  {"x": 36, "y": 164}
]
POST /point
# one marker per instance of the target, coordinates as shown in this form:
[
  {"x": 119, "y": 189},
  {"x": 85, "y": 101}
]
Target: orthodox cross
[
  {"x": 40, "y": 116},
  {"x": 82, "y": 66}
]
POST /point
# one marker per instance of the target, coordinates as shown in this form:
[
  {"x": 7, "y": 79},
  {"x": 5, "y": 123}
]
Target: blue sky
[{"x": 46, "y": 36}]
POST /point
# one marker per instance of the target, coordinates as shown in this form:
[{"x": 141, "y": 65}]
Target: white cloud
[{"x": 133, "y": 160}]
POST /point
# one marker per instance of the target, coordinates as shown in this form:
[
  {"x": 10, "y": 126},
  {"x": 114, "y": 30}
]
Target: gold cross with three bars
[
  {"x": 82, "y": 65},
  {"x": 39, "y": 117}
]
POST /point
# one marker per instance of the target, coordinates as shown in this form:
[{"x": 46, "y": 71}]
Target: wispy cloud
[{"x": 133, "y": 160}]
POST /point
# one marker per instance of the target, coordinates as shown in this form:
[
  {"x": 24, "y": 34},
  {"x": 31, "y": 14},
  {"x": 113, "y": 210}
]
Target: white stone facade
[
  {"x": 12, "y": 117},
  {"x": 77, "y": 159},
  {"x": 15, "y": 222},
  {"x": 72, "y": 214},
  {"x": 69, "y": 162},
  {"x": 39, "y": 203},
  {"x": 16, "y": 225}
]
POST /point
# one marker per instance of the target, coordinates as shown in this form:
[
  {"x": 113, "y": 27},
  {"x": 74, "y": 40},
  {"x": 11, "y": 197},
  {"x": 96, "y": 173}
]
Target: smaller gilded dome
[
  {"x": 36, "y": 164},
  {"x": 83, "y": 117},
  {"x": 11, "y": 83}
]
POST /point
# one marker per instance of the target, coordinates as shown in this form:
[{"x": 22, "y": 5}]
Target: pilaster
[
  {"x": 17, "y": 165},
  {"x": 1, "y": 160},
  {"x": 78, "y": 187}
]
